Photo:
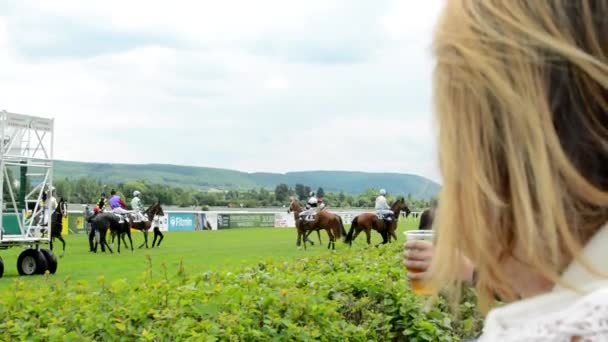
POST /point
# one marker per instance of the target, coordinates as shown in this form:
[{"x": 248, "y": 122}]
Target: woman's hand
[{"x": 418, "y": 255}]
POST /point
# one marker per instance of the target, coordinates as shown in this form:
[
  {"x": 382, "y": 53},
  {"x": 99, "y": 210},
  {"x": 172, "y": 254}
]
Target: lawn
[{"x": 199, "y": 251}]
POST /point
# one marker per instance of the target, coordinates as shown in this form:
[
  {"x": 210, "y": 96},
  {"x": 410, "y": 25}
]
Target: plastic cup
[{"x": 419, "y": 286}]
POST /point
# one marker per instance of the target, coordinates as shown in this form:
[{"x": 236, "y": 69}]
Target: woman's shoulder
[{"x": 558, "y": 316}]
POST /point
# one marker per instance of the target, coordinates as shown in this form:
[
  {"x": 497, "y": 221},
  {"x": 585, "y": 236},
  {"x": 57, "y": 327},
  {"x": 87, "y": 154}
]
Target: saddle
[
  {"x": 309, "y": 217},
  {"x": 122, "y": 218},
  {"x": 139, "y": 220},
  {"x": 385, "y": 217}
]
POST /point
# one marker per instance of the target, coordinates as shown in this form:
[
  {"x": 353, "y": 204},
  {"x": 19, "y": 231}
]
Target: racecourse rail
[{"x": 193, "y": 220}]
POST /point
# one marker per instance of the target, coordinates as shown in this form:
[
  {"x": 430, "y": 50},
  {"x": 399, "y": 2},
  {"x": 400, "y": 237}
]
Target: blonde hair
[{"x": 520, "y": 94}]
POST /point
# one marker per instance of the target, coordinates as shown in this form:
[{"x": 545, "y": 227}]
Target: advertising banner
[
  {"x": 181, "y": 222},
  {"x": 245, "y": 220}
]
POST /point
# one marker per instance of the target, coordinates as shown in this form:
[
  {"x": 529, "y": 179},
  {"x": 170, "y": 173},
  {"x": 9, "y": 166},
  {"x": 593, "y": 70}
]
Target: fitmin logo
[{"x": 180, "y": 222}]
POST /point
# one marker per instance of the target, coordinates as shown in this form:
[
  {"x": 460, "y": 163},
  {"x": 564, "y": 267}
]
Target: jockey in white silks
[
  {"x": 138, "y": 208},
  {"x": 382, "y": 208},
  {"x": 311, "y": 207},
  {"x": 48, "y": 196}
]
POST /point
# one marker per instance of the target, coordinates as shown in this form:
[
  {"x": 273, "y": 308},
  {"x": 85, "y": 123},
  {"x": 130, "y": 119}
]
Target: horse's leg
[
  {"x": 385, "y": 237},
  {"x": 308, "y": 239},
  {"x": 63, "y": 242},
  {"x": 299, "y": 232},
  {"x": 319, "y": 236},
  {"x": 368, "y": 235},
  {"x": 124, "y": 240},
  {"x": 130, "y": 240},
  {"x": 146, "y": 232},
  {"x": 91, "y": 238},
  {"x": 303, "y": 234},
  {"x": 357, "y": 232},
  {"x": 145, "y": 243},
  {"x": 392, "y": 235},
  {"x": 331, "y": 244},
  {"x": 51, "y": 242},
  {"x": 393, "y": 230},
  {"x": 104, "y": 240}
]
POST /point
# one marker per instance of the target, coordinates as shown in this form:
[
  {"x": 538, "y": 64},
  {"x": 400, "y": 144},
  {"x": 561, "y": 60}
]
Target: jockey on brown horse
[
  {"x": 307, "y": 221},
  {"x": 384, "y": 221}
]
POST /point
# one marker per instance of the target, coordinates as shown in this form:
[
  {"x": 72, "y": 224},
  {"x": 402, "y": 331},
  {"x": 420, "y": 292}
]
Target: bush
[{"x": 352, "y": 295}]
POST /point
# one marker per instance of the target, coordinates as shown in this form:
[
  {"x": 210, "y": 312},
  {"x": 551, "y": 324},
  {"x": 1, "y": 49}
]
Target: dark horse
[
  {"x": 121, "y": 230},
  {"x": 426, "y": 219},
  {"x": 57, "y": 223},
  {"x": 368, "y": 221},
  {"x": 144, "y": 226},
  {"x": 100, "y": 224},
  {"x": 332, "y": 224}
]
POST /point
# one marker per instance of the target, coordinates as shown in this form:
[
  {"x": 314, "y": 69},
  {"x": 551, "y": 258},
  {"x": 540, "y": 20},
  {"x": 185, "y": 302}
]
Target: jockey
[
  {"x": 48, "y": 195},
  {"x": 321, "y": 204},
  {"x": 382, "y": 208},
  {"x": 53, "y": 200},
  {"x": 117, "y": 204},
  {"x": 101, "y": 204},
  {"x": 137, "y": 207},
  {"x": 311, "y": 206}
]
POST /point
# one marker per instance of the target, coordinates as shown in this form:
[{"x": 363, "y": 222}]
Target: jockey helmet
[
  {"x": 382, "y": 192},
  {"x": 136, "y": 193}
]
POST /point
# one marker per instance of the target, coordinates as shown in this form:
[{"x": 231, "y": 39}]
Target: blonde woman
[{"x": 521, "y": 99}]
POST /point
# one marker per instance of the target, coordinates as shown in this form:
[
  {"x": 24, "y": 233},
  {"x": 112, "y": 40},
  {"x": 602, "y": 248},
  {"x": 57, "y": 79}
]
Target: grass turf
[{"x": 199, "y": 251}]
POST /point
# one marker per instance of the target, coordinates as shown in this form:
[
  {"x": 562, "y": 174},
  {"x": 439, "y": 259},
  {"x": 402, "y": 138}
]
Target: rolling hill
[{"x": 213, "y": 178}]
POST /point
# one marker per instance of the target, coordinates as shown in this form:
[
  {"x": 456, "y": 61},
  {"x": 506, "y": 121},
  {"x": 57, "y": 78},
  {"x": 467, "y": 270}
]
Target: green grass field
[{"x": 199, "y": 252}]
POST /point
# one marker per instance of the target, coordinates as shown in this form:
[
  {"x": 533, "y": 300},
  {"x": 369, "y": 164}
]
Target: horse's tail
[
  {"x": 351, "y": 231},
  {"x": 337, "y": 228},
  {"x": 342, "y": 230}
]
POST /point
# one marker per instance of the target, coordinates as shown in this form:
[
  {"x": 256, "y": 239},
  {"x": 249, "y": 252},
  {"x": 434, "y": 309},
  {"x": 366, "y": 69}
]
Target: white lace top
[{"x": 562, "y": 314}]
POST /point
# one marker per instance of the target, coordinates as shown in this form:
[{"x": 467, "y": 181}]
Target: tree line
[{"x": 86, "y": 190}]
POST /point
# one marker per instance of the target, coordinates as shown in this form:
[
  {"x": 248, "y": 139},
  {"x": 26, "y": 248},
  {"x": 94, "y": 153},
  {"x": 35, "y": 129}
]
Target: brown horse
[
  {"x": 331, "y": 223},
  {"x": 368, "y": 221},
  {"x": 294, "y": 207},
  {"x": 144, "y": 226}
]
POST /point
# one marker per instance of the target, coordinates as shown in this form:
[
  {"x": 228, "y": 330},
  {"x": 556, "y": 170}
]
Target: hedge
[{"x": 352, "y": 295}]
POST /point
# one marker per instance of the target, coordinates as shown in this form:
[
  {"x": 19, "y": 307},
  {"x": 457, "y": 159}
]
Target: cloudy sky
[{"x": 266, "y": 85}]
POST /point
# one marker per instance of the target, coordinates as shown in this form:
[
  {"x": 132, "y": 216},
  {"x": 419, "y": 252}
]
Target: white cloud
[
  {"x": 276, "y": 83},
  {"x": 257, "y": 86}
]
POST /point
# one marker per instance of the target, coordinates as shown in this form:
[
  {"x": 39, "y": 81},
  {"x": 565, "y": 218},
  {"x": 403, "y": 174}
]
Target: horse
[
  {"x": 100, "y": 224},
  {"x": 57, "y": 223},
  {"x": 144, "y": 226},
  {"x": 294, "y": 206},
  {"x": 332, "y": 224},
  {"x": 426, "y": 219},
  {"x": 368, "y": 221},
  {"x": 123, "y": 228}
]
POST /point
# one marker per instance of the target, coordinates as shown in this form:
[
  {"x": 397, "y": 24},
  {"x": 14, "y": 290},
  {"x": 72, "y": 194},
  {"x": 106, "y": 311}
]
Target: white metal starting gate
[{"x": 26, "y": 155}]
